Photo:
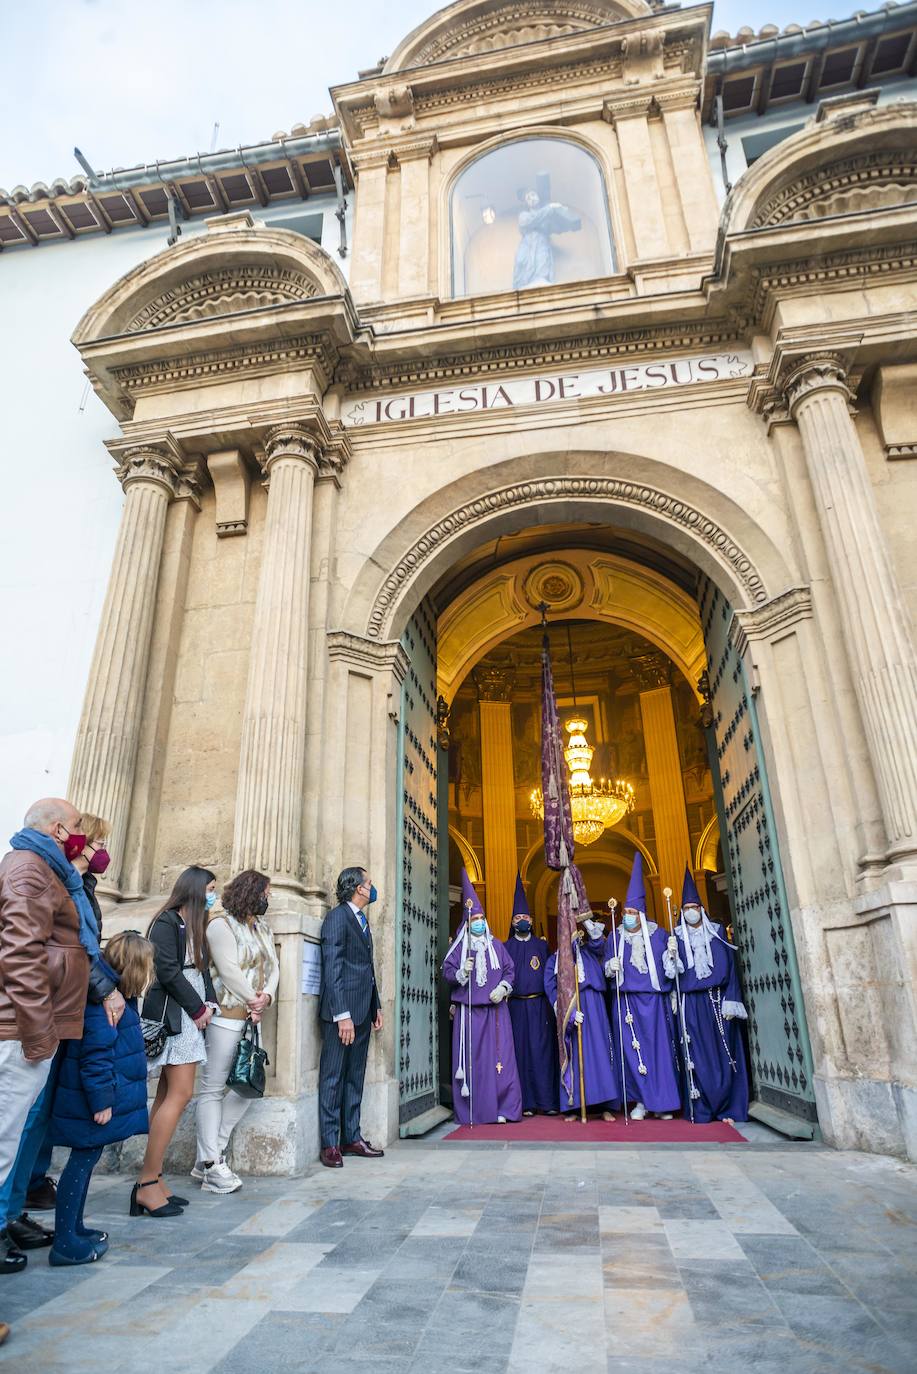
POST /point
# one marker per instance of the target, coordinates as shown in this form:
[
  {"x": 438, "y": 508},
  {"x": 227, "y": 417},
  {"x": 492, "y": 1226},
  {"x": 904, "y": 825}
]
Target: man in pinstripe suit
[{"x": 349, "y": 1009}]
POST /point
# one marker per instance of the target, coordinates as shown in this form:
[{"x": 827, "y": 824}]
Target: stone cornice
[
  {"x": 802, "y": 362},
  {"x": 524, "y": 356},
  {"x": 372, "y": 654},
  {"x": 772, "y": 620},
  {"x": 195, "y": 369},
  {"x": 416, "y": 148}
]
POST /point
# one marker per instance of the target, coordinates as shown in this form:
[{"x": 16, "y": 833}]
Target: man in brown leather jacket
[{"x": 44, "y": 970}]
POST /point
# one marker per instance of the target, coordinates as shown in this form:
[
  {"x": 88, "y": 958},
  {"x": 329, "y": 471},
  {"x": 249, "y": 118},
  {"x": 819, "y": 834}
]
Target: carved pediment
[
  {"x": 875, "y": 181},
  {"x": 224, "y": 291},
  {"x": 490, "y": 28}
]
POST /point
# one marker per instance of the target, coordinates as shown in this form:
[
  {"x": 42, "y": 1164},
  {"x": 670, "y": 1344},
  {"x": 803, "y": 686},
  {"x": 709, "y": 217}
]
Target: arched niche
[{"x": 529, "y": 211}]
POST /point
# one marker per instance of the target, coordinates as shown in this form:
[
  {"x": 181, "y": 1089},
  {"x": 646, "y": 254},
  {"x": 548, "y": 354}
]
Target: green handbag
[{"x": 246, "y": 1077}]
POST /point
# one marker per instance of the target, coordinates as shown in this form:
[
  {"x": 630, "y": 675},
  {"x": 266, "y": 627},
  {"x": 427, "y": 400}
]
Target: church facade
[{"x": 586, "y": 356}]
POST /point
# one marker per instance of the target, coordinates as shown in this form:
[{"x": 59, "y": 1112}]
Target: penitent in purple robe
[
  {"x": 483, "y": 1056},
  {"x": 650, "y": 1069},
  {"x": 599, "y": 1071},
  {"x": 713, "y": 1009},
  {"x": 534, "y": 1027}
]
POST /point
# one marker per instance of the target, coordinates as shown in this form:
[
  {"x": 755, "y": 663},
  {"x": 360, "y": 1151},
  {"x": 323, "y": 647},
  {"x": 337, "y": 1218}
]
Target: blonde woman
[{"x": 246, "y": 974}]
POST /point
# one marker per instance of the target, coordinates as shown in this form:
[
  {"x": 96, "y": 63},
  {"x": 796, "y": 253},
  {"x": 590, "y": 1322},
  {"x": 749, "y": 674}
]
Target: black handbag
[
  {"x": 155, "y": 1036},
  {"x": 247, "y": 1077}
]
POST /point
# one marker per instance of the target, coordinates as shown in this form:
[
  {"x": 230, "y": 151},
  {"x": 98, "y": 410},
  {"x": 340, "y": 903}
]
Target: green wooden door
[
  {"x": 781, "y": 1058},
  {"x": 418, "y": 897}
]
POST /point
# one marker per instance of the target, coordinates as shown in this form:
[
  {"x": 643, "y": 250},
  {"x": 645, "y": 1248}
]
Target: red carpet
[{"x": 555, "y": 1131}]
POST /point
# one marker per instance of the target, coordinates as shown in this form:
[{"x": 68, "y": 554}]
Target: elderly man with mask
[
  {"x": 635, "y": 965},
  {"x": 481, "y": 974},
  {"x": 49, "y": 960},
  {"x": 715, "y": 1079},
  {"x": 534, "y": 1027}
]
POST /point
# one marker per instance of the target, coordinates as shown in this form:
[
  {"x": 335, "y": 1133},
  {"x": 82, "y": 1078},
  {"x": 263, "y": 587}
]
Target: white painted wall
[{"x": 61, "y": 502}]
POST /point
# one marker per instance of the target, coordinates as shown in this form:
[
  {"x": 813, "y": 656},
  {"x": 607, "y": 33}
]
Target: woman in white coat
[{"x": 245, "y": 976}]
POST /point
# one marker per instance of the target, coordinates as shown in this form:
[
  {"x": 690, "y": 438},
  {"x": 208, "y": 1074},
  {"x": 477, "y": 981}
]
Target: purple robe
[
  {"x": 717, "y": 1052},
  {"x": 490, "y": 1058},
  {"x": 652, "y": 1026},
  {"x": 600, "y": 1072},
  {"x": 534, "y": 1027}
]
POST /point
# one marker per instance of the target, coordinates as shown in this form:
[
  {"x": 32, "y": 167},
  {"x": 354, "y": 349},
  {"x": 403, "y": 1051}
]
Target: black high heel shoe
[
  {"x": 169, "y": 1209},
  {"x": 174, "y": 1198}
]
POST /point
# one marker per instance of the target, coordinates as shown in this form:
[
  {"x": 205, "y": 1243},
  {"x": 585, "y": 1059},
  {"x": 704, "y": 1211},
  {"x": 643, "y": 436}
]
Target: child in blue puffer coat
[{"x": 100, "y": 1097}]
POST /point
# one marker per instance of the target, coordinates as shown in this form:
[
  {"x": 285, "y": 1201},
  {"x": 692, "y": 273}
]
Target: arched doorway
[{"x": 687, "y": 619}]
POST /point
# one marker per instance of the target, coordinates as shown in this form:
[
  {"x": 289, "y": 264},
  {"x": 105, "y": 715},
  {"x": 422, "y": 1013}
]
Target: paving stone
[{"x": 778, "y": 1260}]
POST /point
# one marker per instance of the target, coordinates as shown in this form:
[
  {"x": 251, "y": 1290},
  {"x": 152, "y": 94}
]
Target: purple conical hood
[
  {"x": 520, "y": 901},
  {"x": 636, "y": 891},
  {"x": 689, "y": 893},
  {"x": 469, "y": 895}
]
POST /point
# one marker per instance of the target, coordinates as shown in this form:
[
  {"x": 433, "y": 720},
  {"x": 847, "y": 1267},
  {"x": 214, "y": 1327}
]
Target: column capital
[
  {"x": 815, "y": 372},
  {"x": 417, "y": 148},
  {"x": 160, "y": 463},
  {"x": 494, "y": 684},
  {"x": 335, "y": 454},
  {"x": 296, "y": 440}
]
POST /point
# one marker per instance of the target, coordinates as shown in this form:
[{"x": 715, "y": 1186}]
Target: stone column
[
  {"x": 631, "y": 123},
  {"x": 369, "y": 231},
  {"x": 104, "y": 758},
  {"x": 414, "y": 241},
  {"x": 269, "y": 793},
  {"x": 498, "y": 795},
  {"x": 692, "y": 170},
  {"x": 875, "y": 621},
  {"x": 663, "y": 765}
]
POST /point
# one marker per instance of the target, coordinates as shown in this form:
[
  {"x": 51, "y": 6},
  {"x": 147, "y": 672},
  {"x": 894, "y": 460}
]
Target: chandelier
[{"x": 596, "y": 806}]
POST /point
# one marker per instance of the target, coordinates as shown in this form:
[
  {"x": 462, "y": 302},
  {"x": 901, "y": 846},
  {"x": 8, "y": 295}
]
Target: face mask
[
  {"x": 630, "y": 920},
  {"x": 373, "y": 894},
  {"x": 209, "y": 900},
  {"x": 692, "y": 916},
  {"x": 260, "y": 906},
  {"x": 478, "y": 927},
  {"x": 99, "y": 861},
  {"x": 74, "y": 846},
  {"x": 523, "y": 927}
]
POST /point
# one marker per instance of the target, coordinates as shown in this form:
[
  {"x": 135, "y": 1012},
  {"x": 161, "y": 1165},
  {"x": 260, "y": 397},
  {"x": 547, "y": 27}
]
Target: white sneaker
[
  {"x": 219, "y": 1178},
  {"x": 638, "y": 1112},
  {"x": 667, "y": 1116},
  {"x": 198, "y": 1172}
]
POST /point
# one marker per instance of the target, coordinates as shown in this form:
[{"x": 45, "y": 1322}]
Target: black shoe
[
  {"x": 43, "y": 1197},
  {"x": 11, "y": 1259},
  {"x": 28, "y": 1233},
  {"x": 137, "y": 1208}
]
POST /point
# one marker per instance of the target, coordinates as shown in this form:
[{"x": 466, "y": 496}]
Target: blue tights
[{"x": 71, "y": 1237}]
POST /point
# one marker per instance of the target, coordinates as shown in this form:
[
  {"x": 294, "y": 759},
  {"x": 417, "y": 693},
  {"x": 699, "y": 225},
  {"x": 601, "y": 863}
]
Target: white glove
[
  {"x": 595, "y": 928},
  {"x": 612, "y": 966},
  {"x": 498, "y": 993},
  {"x": 578, "y": 1017},
  {"x": 469, "y": 963},
  {"x": 672, "y": 944}
]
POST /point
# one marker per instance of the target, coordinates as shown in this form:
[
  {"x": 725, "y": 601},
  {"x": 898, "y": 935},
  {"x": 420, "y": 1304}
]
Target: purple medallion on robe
[
  {"x": 602, "y": 1089},
  {"x": 485, "y": 1080},
  {"x": 534, "y": 1027}
]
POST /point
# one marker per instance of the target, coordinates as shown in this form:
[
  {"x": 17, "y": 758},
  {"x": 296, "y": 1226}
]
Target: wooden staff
[
  {"x": 469, "y": 1055},
  {"x": 619, "y": 976},
  {"x": 579, "y": 1042},
  {"x": 685, "y": 1044}
]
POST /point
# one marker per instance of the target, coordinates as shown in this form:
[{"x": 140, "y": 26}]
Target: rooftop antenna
[
  {"x": 215, "y": 136},
  {"x": 85, "y": 166}
]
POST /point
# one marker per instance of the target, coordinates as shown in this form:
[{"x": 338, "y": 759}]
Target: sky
[{"x": 130, "y": 81}]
